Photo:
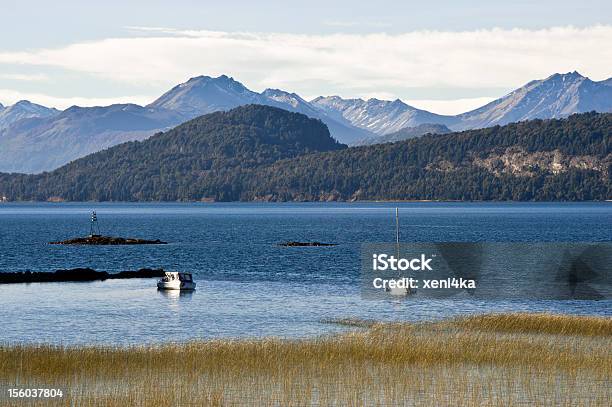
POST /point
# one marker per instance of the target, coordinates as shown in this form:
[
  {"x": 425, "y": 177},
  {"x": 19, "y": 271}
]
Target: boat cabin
[{"x": 175, "y": 276}]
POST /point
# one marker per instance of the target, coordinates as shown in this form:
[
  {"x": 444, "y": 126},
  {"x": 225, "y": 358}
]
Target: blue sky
[{"x": 446, "y": 56}]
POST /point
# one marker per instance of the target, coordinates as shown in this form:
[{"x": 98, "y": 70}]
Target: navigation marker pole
[{"x": 93, "y": 226}]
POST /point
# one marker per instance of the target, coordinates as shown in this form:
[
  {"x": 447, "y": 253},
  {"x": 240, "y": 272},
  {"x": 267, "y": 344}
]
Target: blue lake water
[{"x": 247, "y": 285}]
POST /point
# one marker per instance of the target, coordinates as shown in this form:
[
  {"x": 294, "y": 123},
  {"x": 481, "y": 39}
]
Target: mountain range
[
  {"x": 34, "y": 138},
  {"x": 203, "y": 94}
]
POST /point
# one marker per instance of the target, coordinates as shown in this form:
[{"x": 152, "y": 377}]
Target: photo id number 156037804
[{"x": 35, "y": 393}]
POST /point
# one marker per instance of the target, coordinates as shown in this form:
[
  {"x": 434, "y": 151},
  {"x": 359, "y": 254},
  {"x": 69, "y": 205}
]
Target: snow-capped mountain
[
  {"x": 378, "y": 116},
  {"x": 557, "y": 96},
  {"x": 23, "y": 110},
  {"x": 205, "y": 94},
  {"x": 35, "y": 138}
]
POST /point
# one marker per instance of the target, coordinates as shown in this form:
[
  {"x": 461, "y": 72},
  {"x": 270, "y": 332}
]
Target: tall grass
[{"x": 510, "y": 359}]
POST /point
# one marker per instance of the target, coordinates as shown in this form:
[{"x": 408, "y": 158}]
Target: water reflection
[{"x": 176, "y": 294}]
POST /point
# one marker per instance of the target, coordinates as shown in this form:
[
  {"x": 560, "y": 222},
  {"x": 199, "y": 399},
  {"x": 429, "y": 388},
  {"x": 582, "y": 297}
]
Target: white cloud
[
  {"x": 24, "y": 77},
  {"x": 347, "y": 24},
  {"x": 8, "y": 97},
  {"x": 347, "y": 64}
]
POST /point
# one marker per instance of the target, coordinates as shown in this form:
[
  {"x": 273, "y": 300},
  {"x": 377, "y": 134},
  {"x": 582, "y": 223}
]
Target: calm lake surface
[{"x": 247, "y": 285}]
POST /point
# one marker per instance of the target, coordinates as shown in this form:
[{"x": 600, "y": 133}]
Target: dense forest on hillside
[
  {"x": 569, "y": 159},
  {"x": 264, "y": 153}
]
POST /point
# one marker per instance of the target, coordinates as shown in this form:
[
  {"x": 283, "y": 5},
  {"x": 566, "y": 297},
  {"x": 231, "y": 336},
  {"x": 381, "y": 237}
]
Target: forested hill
[
  {"x": 263, "y": 153},
  {"x": 199, "y": 158},
  {"x": 545, "y": 160}
]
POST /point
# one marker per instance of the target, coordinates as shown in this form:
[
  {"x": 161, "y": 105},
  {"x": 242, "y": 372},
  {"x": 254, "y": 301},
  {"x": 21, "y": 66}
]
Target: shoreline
[{"x": 206, "y": 202}]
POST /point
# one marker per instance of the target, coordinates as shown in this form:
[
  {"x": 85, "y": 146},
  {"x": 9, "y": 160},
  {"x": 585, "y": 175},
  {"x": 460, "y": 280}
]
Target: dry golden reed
[{"x": 505, "y": 359}]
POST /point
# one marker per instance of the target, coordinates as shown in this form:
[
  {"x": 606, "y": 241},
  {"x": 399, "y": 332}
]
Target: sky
[{"x": 444, "y": 56}]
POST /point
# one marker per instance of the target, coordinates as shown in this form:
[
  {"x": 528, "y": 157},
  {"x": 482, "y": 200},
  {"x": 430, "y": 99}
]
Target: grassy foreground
[{"x": 497, "y": 360}]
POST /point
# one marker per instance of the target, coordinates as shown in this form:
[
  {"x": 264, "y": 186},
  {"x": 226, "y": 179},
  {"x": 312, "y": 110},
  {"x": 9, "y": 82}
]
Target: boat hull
[{"x": 176, "y": 285}]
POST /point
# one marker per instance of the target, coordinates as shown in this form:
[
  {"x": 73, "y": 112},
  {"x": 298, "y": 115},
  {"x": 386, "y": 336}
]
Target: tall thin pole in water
[{"x": 397, "y": 230}]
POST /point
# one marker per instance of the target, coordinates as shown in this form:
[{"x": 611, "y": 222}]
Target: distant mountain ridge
[
  {"x": 203, "y": 94},
  {"x": 379, "y": 116},
  {"x": 407, "y": 133},
  {"x": 45, "y": 141},
  {"x": 34, "y": 138},
  {"x": 42, "y": 143},
  {"x": 555, "y": 97},
  {"x": 23, "y": 110}
]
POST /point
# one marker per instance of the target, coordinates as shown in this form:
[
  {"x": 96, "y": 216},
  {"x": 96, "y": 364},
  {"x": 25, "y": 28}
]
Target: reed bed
[{"x": 500, "y": 360}]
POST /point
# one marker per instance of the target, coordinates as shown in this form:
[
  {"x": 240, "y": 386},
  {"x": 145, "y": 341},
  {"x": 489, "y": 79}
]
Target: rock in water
[
  {"x": 78, "y": 274},
  {"x": 107, "y": 240},
  {"x": 306, "y": 244}
]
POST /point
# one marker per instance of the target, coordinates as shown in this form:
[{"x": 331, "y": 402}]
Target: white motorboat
[{"x": 176, "y": 281}]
